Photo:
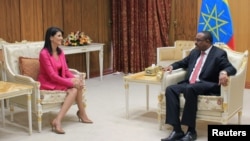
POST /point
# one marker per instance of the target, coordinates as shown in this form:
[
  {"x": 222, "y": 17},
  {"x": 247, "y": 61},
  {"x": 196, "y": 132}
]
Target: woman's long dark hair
[{"x": 51, "y": 31}]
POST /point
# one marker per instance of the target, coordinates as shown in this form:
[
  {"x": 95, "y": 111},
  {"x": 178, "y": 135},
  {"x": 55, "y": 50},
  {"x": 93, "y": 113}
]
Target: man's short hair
[{"x": 208, "y": 35}]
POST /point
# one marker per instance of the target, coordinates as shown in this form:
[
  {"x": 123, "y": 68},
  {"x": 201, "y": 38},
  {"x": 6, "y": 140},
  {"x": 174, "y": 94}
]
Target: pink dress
[{"x": 54, "y": 73}]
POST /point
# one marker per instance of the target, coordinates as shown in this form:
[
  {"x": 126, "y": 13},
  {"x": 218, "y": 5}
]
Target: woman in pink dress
[{"x": 54, "y": 74}]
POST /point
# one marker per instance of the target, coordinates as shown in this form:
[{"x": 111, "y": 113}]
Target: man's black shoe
[
  {"x": 189, "y": 137},
  {"x": 174, "y": 136}
]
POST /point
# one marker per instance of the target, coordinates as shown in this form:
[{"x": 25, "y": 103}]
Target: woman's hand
[{"x": 77, "y": 83}]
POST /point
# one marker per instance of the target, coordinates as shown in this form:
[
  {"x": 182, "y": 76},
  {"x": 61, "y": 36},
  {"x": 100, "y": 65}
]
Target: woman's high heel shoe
[
  {"x": 81, "y": 119},
  {"x": 55, "y": 129}
]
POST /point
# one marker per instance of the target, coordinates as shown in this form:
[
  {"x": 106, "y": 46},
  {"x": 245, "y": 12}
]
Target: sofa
[{"x": 22, "y": 66}]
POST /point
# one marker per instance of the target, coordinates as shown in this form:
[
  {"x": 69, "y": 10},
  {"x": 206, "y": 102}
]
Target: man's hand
[
  {"x": 223, "y": 78},
  {"x": 168, "y": 68}
]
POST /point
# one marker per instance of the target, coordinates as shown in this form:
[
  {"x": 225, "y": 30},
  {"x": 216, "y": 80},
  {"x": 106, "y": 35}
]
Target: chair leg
[
  {"x": 11, "y": 112},
  {"x": 6, "y": 103},
  {"x": 160, "y": 111},
  {"x": 39, "y": 121},
  {"x": 168, "y": 127},
  {"x": 160, "y": 121},
  {"x": 239, "y": 117},
  {"x": 160, "y": 117},
  {"x": 3, "y": 112}
]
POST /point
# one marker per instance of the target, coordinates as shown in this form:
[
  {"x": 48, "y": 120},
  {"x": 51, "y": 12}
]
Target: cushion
[
  {"x": 56, "y": 96},
  {"x": 206, "y": 102},
  {"x": 29, "y": 67},
  {"x": 51, "y": 97}
]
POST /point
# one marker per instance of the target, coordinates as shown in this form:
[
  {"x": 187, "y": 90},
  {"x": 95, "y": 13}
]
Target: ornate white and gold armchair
[
  {"x": 168, "y": 55},
  {"x": 1, "y": 59},
  {"x": 212, "y": 108},
  {"x": 22, "y": 65}
]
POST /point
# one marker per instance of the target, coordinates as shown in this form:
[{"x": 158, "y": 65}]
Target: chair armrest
[
  {"x": 29, "y": 81},
  {"x": 81, "y": 75},
  {"x": 26, "y": 80},
  {"x": 77, "y": 73},
  {"x": 74, "y": 71},
  {"x": 233, "y": 92},
  {"x": 172, "y": 78}
]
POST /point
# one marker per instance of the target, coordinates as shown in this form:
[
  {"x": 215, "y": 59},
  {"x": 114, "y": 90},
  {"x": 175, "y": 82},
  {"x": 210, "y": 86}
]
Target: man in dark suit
[{"x": 213, "y": 70}]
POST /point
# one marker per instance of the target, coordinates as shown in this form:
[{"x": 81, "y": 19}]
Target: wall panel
[
  {"x": 3, "y": 18},
  {"x": 90, "y": 19},
  {"x": 52, "y": 13},
  {"x": 10, "y": 20},
  {"x": 72, "y": 15},
  {"x": 31, "y": 20},
  {"x": 104, "y": 30},
  {"x": 183, "y": 26},
  {"x": 241, "y": 21}
]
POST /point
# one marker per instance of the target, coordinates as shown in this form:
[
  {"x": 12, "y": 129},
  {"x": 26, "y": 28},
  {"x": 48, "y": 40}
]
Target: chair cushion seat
[
  {"x": 55, "y": 96},
  {"x": 206, "y": 102}
]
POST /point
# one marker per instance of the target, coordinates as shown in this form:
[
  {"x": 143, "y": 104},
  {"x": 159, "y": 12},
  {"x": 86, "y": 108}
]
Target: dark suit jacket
[{"x": 216, "y": 61}]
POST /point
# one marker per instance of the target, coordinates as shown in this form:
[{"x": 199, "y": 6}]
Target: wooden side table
[
  {"x": 139, "y": 78},
  {"x": 9, "y": 90},
  {"x": 87, "y": 49}
]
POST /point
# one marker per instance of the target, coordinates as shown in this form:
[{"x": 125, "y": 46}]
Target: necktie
[{"x": 197, "y": 68}]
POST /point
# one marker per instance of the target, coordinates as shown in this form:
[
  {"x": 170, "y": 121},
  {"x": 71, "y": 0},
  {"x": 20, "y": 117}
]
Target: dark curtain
[{"x": 138, "y": 28}]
